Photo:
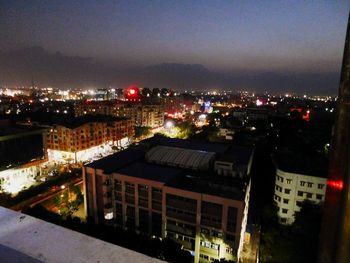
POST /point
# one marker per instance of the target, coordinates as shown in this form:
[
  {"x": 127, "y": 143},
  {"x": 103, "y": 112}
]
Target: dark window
[{"x": 232, "y": 219}]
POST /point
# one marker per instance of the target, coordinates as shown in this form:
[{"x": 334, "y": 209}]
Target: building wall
[
  {"x": 88, "y": 135},
  {"x": 292, "y": 189},
  {"x": 21, "y": 156},
  {"x": 150, "y": 115},
  {"x": 211, "y": 226}
]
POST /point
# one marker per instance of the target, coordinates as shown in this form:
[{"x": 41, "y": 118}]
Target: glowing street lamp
[{"x": 169, "y": 124}]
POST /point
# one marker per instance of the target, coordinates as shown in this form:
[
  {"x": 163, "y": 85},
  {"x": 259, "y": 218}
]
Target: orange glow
[{"x": 336, "y": 184}]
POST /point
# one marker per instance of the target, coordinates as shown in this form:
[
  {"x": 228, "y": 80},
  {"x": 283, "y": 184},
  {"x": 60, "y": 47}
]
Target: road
[{"x": 43, "y": 197}]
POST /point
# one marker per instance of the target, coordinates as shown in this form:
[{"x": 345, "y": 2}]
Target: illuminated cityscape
[{"x": 190, "y": 132}]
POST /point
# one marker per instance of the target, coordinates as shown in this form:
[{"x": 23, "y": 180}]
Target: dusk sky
[{"x": 257, "y": 45}]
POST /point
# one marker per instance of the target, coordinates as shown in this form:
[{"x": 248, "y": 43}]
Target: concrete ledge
[{"x": 26, "y": 239}]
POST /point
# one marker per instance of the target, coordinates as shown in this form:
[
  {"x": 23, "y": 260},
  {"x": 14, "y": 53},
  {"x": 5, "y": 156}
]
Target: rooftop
[
  {"x": 187, "y": 144},
  {"x": 227, "y": 187},
  {"x": 25, "y": 239},
  {"x": 179, "y": 157},
  {"x": 150, "y": 171},
  {"x": 117, "y": 160}
]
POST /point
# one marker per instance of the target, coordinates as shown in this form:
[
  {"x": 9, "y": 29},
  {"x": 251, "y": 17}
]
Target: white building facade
[{"x": 291, "y": 189}]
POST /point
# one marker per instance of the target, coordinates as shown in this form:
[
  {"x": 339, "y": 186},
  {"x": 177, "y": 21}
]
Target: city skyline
[{"x": 287, "y": 47}]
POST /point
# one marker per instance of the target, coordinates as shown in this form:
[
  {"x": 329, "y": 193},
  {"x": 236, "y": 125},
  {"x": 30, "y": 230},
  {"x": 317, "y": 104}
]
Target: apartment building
[
  {"x": 175, "y": 192},
  {"x": 298, "y": 179},
  {"x": 150, "y": 115},
  {"x": 79, "y": 139}
]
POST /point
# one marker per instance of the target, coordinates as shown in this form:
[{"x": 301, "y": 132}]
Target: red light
[
  {"x": 336, "y": 184},
  {"x": 132, "y": 91}
]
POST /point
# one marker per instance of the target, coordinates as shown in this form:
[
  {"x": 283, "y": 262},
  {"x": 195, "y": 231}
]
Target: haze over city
[{"x": 185, "y": 45}]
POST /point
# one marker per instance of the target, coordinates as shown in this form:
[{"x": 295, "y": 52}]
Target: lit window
[
  {"x": 109, "y": 216},
  {"x": 215, "y": 246}
]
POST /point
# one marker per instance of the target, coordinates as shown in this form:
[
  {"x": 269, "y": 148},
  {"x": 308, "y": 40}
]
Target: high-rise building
[{"x": 195, "y": 194}]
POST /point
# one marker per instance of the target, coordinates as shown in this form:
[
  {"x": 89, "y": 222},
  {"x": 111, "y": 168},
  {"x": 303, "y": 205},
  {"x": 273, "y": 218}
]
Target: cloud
[{"x": 18, "y": 67}]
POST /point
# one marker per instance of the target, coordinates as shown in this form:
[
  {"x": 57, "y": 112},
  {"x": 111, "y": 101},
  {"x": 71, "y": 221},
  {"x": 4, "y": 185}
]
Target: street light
[{"x": 169, "y": 124}]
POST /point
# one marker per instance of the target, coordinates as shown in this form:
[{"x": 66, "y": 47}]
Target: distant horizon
[
  {"x": 18, "y": 67},
  {"x": 277, "y": 46}
]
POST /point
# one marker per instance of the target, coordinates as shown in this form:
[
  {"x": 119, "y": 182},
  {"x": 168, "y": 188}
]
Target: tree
[
  {"x": 142, "y": 131},
  {"x": 69, "y": 201}
]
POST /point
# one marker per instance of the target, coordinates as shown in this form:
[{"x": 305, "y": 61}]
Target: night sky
[{"x": 276, "y": 46}]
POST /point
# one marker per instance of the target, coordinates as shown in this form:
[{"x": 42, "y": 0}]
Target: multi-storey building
[
  {"x": 195, "y": 194},
  {"x": 150, "y": 115},
  {"x": 79, "y": 139},
  {"x": 22, "y": 151},
  {"x": 298, "y": 180}
]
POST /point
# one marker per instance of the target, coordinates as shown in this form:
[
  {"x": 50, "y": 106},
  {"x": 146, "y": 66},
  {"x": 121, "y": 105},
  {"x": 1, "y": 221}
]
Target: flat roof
[
  {"x": 25, "y": 239},
  {"x": 188, "y": 144},
  {"x": 227, "y": 187},
  {"x": 149, "y": 171},
  {"x": 117, "y": 160},
  {"x": 179, "y": 157}
]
